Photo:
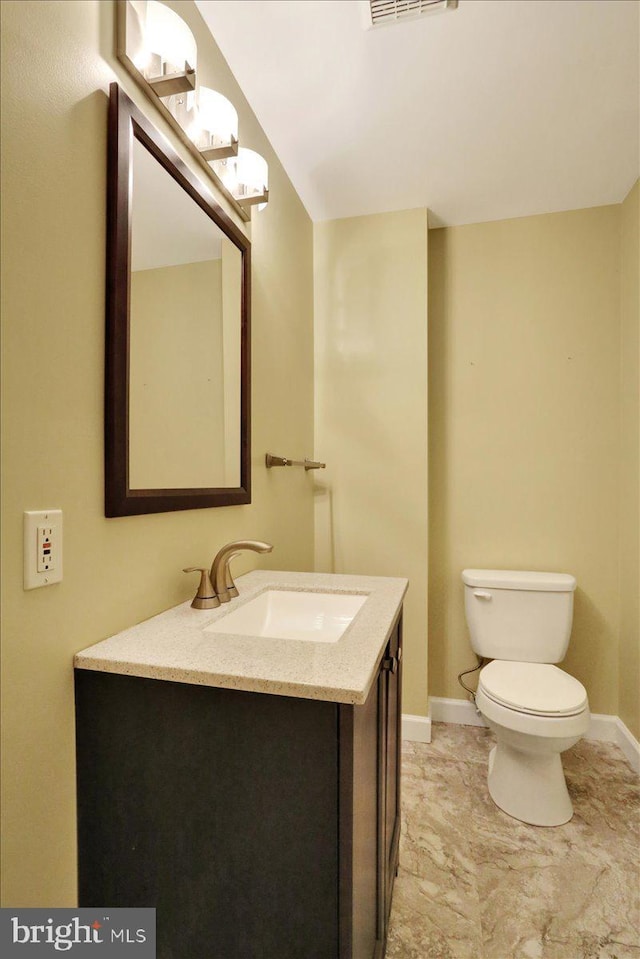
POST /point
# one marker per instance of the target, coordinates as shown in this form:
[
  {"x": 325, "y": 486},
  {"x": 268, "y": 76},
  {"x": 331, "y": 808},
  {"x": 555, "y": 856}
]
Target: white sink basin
[{"x": 289, "y": 614}]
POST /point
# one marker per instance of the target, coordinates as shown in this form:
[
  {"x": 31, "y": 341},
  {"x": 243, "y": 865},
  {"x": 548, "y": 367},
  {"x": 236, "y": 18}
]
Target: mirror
[{"x": 177, "y": 371}]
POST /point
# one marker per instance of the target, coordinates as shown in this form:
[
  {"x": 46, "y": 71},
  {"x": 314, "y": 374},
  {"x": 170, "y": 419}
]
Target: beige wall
[
  {"x": 57, "y": 62},
  {"x": 630, "y": 472},
  {"x": 524, "y": 400},
  {"x": 371, "y": 414}
]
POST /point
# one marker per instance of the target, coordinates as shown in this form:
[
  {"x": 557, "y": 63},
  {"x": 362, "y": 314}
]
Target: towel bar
[{"x": 271, "y": 460}]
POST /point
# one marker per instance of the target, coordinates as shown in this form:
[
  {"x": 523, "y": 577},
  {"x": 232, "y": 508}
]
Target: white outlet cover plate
[{"x": 33, "y": 519}]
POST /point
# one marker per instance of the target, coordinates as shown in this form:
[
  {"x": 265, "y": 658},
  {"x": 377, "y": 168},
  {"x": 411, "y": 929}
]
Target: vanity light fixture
[
  {"x": 246, "y": 176},
  {"x": 215, "y": 126},
  {"x": 159, "y": 51}
]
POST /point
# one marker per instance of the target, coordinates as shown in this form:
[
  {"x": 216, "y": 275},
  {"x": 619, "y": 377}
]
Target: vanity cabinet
[{"x": 259, "y": 826}]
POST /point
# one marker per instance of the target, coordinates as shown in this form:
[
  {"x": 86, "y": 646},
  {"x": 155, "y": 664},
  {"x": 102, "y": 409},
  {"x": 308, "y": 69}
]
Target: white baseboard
[
  {"x": 460, "y": 711},
  {"x": 603, "y": 728},
  {"x": 628, "y": 744},
  {"x": 417, "y": 729}
]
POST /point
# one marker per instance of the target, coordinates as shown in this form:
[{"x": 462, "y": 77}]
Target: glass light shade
[
  {"x": 244, "y": 175},
  {"x": 253, "y": 170},
  {"x": 216, "y": 122},
  {"x": 168, "y": 41}
]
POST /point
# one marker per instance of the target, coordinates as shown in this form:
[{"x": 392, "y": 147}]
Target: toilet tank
[{"x": 518, "y": 615}]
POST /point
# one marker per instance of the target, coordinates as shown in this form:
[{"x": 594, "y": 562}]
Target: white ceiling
[{"x": 501, "y": 108}]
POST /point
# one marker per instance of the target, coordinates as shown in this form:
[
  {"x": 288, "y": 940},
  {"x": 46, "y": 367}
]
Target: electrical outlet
[
  {"x": 42, "y": 547},
  {"x": 46, "y": 538}
]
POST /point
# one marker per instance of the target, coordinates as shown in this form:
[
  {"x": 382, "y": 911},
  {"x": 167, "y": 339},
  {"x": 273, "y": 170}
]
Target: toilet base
[{"x": 529, "y": 786}]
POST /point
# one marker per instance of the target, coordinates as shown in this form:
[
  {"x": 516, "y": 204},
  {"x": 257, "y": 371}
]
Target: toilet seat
[{"x": 536, "y": 689}]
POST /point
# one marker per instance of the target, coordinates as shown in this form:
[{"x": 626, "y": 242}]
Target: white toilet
[{"x": 522, "y": 621}]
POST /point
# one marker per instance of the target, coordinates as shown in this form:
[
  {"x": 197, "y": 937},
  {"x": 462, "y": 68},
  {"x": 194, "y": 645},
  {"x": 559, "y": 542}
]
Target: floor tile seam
[
  {"x": 427, "y": 786},
  {"x": 482, "y": 763},
  {"x": 440, "y": 919},
  {"x": 492, "y": 862},
  {"x": 457, "y": 846},
  {"x": 547, "y": 938},
  {"x": 588, "y": 774},
  {"x": 610, "y": 840},
  {"x": 449, "y": 760},
  {"x": 441, "y": 901},
  {"x": 477, "y": 938},
  {"x": 464, "y": 869},
  {"x": 422, "y": 792},
  {"x": 544, "y": 936},
  {"x": 484, "y": 832}
]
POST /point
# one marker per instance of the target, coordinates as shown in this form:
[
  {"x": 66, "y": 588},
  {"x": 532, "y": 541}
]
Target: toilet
[{"x": 522, "y": 622}]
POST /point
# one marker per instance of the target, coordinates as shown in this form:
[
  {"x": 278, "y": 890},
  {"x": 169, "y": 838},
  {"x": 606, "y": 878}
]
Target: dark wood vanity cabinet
[{"x": 259, "y": 826}]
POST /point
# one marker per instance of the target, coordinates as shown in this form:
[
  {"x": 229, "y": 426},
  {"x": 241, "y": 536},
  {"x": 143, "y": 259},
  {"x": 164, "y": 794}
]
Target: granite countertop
[{"x": 172, "y": 646}]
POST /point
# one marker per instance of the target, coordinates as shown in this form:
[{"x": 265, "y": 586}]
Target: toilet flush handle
[{"x": 481, "y": 594}]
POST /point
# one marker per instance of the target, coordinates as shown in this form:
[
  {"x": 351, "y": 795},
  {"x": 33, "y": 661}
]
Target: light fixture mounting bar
[
  {"x": 221, "y": 153},
  {"x": 253, "y": 198},
  {"x": 172, "y": 83}
]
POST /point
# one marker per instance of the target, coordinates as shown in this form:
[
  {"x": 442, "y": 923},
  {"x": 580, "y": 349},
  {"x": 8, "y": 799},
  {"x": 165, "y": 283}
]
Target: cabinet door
[
  {"x": 390, "y": 766},
  {"x": 218, "y": 807},
  {"x": 362, "y": 922},
  {"x": 391, "y": 804}
]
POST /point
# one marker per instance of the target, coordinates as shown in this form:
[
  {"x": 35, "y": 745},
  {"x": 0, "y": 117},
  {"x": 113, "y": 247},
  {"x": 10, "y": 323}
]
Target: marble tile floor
[{"x": 474, "y": 883}]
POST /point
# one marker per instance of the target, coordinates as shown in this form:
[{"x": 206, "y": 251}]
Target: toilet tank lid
[{"x": 519, "y": 579}]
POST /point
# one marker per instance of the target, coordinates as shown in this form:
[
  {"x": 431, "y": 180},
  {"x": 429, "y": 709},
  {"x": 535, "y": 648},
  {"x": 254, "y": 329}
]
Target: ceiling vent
[{"x": 383, "y": 12}]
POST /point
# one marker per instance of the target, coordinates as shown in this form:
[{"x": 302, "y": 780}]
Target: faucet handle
[{"x": 205, "y": 598}]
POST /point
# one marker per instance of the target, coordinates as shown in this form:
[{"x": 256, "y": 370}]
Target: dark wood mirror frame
[{"x": 126, "y": 122}]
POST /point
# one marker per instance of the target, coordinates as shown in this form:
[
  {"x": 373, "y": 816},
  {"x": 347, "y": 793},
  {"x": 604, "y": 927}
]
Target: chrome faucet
[{"x": 223, "y": 585}]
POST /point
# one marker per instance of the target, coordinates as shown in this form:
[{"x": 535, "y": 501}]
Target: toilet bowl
[
  {"x": 522, "y": 621},
  {"x": 546, "y": 714}
]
